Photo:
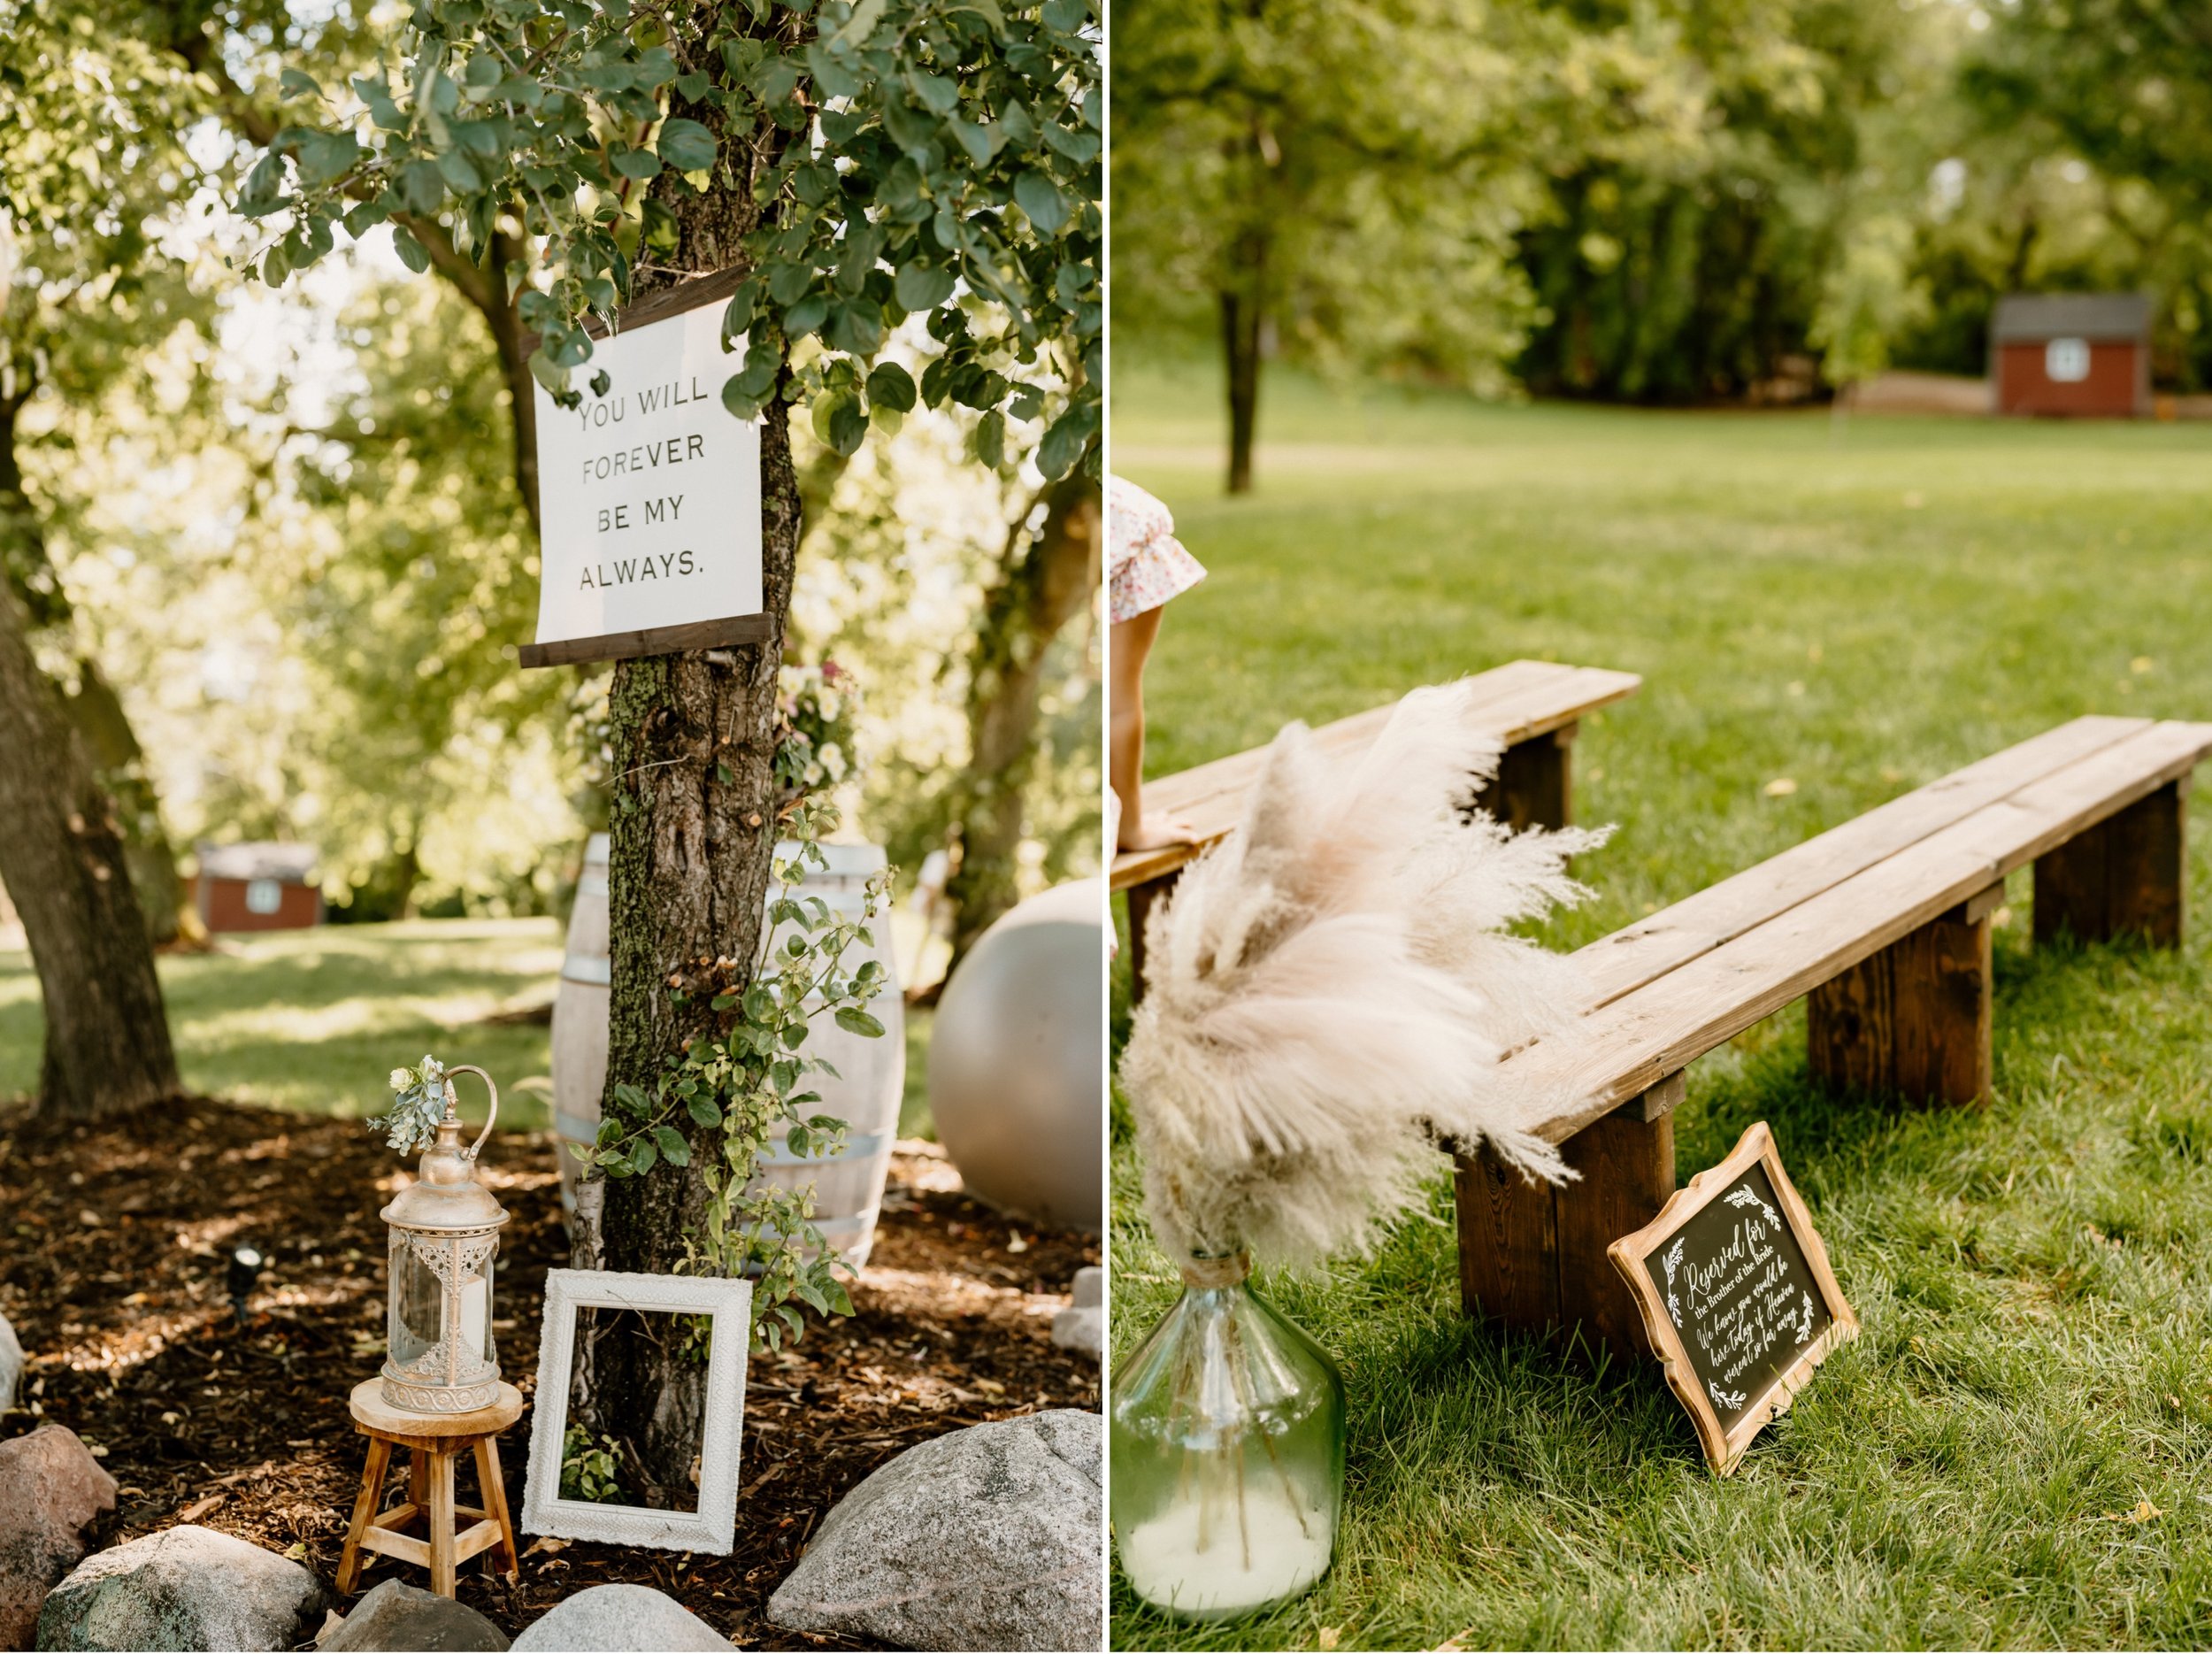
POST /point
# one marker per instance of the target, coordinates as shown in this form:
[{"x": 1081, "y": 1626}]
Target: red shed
[
  {"x": 2072, "y": 353},
  {"x": 257, "y": 887}
]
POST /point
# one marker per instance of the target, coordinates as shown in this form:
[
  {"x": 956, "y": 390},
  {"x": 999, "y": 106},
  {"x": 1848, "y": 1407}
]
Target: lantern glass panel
[
  {"x": 417, "y": 1311},
  {"x": 476, "y": 1312}
]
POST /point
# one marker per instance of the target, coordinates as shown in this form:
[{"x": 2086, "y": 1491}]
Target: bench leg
[
  {"x": 1535, "y": 783},
  {"x": 1914, "y": 1020},
  {"x": 1627, "y": 1164},
  {"x": 2123, "y": 876},
  {"x": 1533, "y": 1257},
  {"x": 1141, "y": 896}
]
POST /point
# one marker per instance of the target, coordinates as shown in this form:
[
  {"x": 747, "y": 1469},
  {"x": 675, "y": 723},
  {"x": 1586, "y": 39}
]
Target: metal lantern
[{"x": 445, "y": 1228}]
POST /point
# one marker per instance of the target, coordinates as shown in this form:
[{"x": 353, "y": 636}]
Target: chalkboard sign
[{"x": 1736, "y": 1293}]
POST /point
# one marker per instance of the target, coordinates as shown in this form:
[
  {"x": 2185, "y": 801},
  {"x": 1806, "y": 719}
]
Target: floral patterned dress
[{"x": 1146, "y": 564}]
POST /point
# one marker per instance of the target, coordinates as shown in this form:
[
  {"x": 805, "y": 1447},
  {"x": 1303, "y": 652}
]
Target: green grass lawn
[
  {"x": 1856, "y": 609},
  {"x": 315, "y": 1020}
]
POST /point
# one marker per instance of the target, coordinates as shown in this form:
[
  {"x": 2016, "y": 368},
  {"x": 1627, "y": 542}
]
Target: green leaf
[
  {"x": 833, "y": 78},
  {"x": 990, "y": 439},
  {"x": 804, "y": 317},
  {"x": 847, "y": 428},
  {"x": 266, "y": 178},
  {"x": 636, "y": 163},
  {"x": 326, "y": 156},
  {"x": 1064, "y": 440},
  {"x": 460, "y": 172},
  {"x": 421, "y": 187},
  {"x": 921, "y": 288},
  {"x": 862, "y": 23},
  {"x": 644, "y": 1155},
  {"x": 687, "y": 146},
  {"x": 856, "y": 329},
  {"x": 1040, "y": 199},
  {"x": 704, "y": 1110},
  {"x": 410, "y": 250},
  {"x": 1076, "y": 144},
  {"x": 891, "y": 386},
  {"x": 1066, "y": 16},
  {"x": 674, "y": 1150},
  {"x": 940, "y": 94},
  {"x": 856, "y": 1021},
  {"x": 982, "y": 142},
  {"x": 297, "y": 83}
]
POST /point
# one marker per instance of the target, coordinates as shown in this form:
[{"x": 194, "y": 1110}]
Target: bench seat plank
[
  {"x": 1642, "y": 952},
  {"x": 1641, "y": 1036},
  {"x": 1516, "y": 702}
]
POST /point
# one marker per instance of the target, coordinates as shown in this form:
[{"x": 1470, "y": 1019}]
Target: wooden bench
[
  {"x": 1534, "y": 707},
  {"x": 1884, "y": 923}
]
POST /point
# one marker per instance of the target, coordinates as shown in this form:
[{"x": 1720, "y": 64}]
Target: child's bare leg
[{"x": 1128, "y": 645}]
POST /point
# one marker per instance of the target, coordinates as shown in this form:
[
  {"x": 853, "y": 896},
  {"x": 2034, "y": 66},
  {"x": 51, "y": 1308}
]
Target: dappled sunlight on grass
[{"x": 315, "y": 1020}]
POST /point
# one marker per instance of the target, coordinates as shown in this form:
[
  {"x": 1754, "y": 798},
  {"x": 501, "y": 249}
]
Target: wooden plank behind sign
[
  {"x": 658, "y": 306},
  {"x": 659, "y": 640},
  {"x": 1736, "y": 1294}
]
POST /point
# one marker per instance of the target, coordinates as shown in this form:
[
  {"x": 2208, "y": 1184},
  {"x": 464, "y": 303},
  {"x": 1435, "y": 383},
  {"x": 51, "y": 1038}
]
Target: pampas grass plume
[{"x": 1330, "y": 990}]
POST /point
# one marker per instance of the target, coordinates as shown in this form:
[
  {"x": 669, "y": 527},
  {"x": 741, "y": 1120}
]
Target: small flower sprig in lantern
[{"x": 445, "y": 1227}]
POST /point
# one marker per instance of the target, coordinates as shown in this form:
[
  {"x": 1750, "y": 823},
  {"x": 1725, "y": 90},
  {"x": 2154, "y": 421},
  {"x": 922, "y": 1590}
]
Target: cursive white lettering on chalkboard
[
  {"x": 1673, "y": 1262},
  {"x": 1742, "y": 1305}
]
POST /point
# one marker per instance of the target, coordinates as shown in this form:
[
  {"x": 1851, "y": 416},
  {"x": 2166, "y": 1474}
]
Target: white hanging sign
[{"x": 649, "y": 502}]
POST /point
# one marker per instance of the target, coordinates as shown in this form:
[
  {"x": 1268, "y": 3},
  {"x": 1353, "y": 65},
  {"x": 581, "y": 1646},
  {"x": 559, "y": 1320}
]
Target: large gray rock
[
  {"x": 619, "y": 1618},
  {"x": 398, "y": 1615},
  {"x": 11, "y": 1365},
  {"x": 183, "y": 1588},
  {"x": 51, "y": 1488},
  {"x": 988, "y": 1538}
]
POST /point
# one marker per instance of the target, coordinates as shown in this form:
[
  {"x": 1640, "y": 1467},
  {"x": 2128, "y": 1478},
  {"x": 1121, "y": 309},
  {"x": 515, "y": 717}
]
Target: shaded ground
[{"x": 111, "y": 1256}]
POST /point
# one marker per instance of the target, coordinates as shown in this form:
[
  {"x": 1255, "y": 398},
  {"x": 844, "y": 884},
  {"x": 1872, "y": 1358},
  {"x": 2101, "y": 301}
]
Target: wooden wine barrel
[
  {"x": 847, "y": 1187},
  {"x": 580, "y": 1020}
]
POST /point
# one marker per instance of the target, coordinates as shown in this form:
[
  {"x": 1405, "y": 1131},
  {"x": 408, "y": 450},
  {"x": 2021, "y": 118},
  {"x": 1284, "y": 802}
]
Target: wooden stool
[{"x": 433, "y": 1441}]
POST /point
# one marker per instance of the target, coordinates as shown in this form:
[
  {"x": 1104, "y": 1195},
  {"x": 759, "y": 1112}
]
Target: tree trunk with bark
[
  {"x": 1050, "y": 577},
  {"x": 118, "y": 760},
  {"x": 1243, "y": 316},
  {"x": 692, "y": 832},
  {"x": 62, "y": 859}
]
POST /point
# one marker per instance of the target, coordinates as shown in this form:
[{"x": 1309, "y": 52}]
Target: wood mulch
[{"x": 113, "y": 1243}]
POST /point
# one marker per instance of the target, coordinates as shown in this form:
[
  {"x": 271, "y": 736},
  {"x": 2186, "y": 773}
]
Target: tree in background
[
  {"x": 1048, "y": 575},
  {"x": 1339, "y": 178},
  {"x": 861, "y": 164},
  {"x": 2095, "y": 140},
  {"x": 90, "y": 166}
]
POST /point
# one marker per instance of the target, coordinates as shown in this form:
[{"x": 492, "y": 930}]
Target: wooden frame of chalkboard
[{"x": 1727, "y": 1419}]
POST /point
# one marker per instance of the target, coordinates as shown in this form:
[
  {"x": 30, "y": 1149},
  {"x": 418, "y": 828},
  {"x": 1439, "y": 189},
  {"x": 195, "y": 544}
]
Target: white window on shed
[
  {"x": 2066, "y": 361},
  {"x": 264, "y": 896}
]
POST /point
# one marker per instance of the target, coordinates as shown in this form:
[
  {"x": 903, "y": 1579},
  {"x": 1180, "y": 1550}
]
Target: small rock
[
  {"x": 1089, "y": 1291},
  {"x": 51, "y": 1487},
  {"x": 186, "y": 1588},
  {"x": 1080, "y": 1329},
  {"x": 396, "y": 1615},
  {"x": 11, "y": 1365},
  {"x": 986, "y": 1538},
  {"x": 618, "y": 1618}
]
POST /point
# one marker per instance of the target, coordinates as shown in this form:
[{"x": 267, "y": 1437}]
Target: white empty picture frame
[{"x": 711, "y": 1529}]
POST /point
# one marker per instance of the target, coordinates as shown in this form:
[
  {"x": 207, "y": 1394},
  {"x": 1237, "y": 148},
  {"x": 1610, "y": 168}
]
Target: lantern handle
[{"x": 470, "y": 1068}]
